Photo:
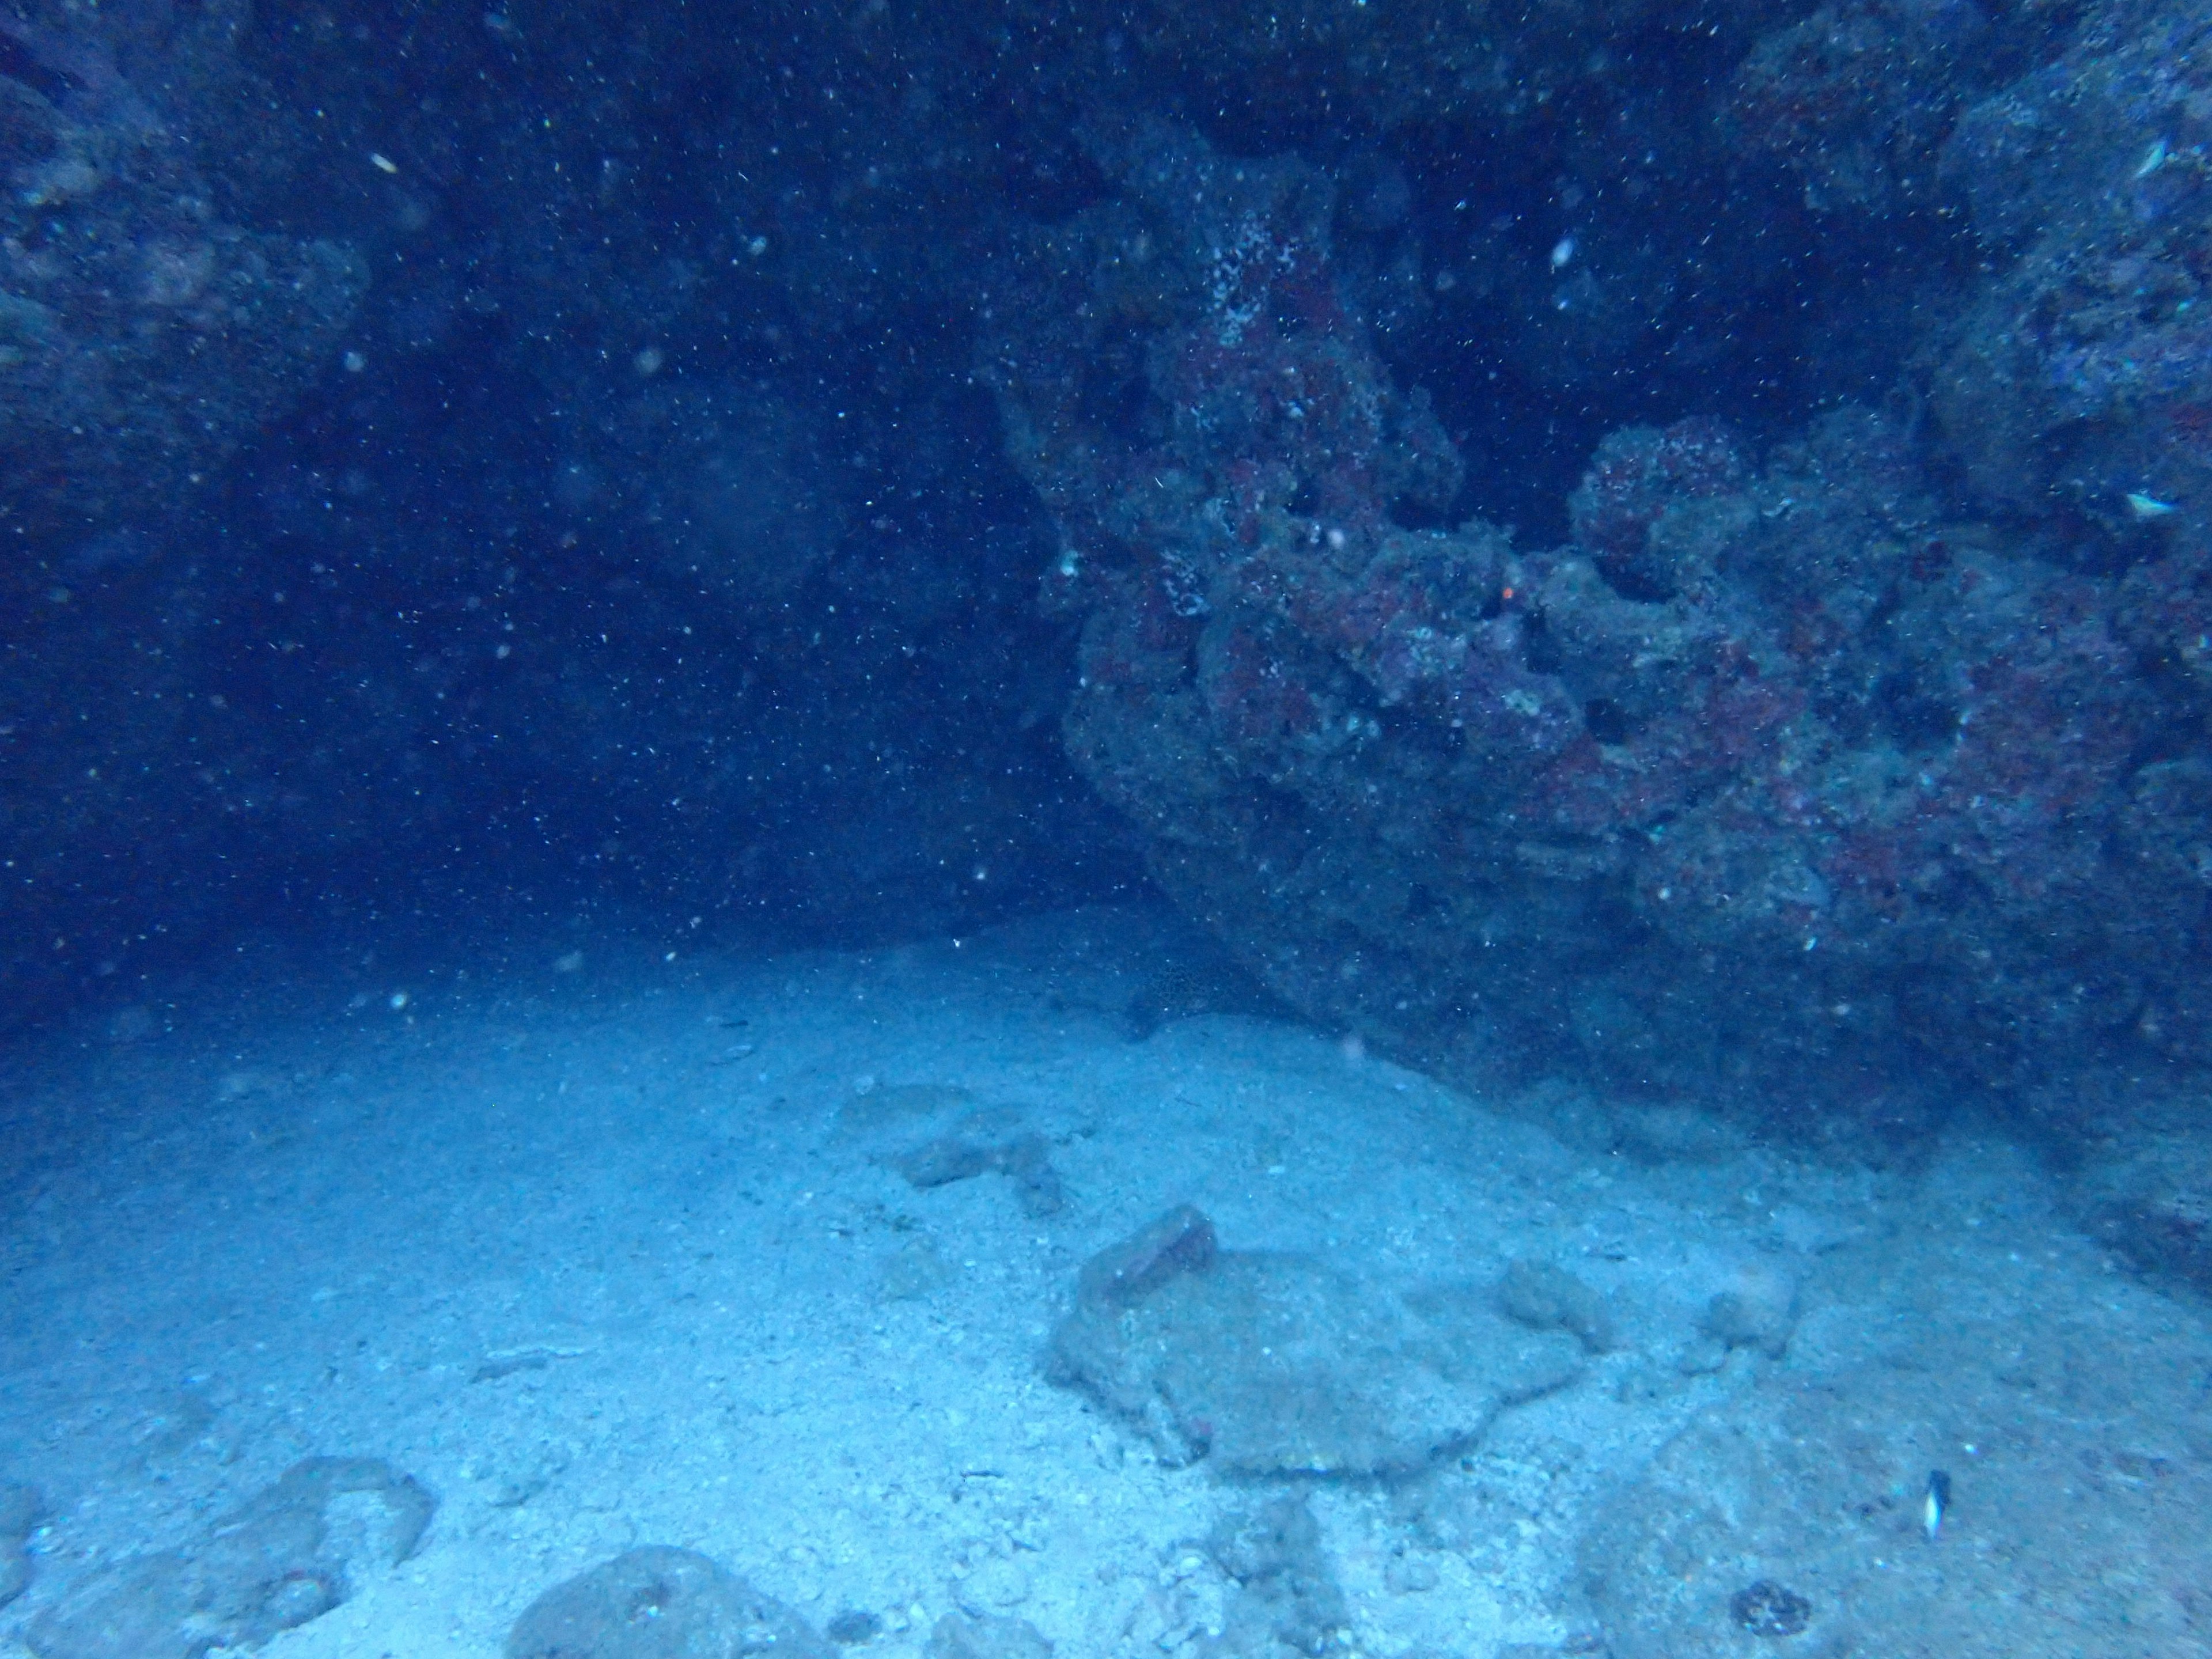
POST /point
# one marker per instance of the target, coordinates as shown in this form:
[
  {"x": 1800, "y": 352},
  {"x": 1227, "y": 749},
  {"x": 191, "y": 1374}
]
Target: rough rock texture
[
  {"x": 1287, "y": 1597},
  {"x": 658, "y": 1602},
  {"x": 287, "y": 1555},
  {"x": 1545, "y": 1297},
  {"x": 934, "y": 1134},
  {"x": 1278, "y": 1364},
  {"x": 986, "y": 1636},
  {"x": 1775, "y": 779},
  {"x": 1802, "y": 1514},
  {"x": 618, "y": 501},
  {"x": 2079, "y": 378},
  {"x": 144, "y": 334}
]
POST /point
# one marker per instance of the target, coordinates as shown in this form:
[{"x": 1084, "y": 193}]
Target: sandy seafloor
[{"x": 573, "y": 1235}]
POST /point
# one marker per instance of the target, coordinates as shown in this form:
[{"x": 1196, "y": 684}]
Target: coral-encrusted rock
[
  {"x": 1269, "y": 1363},
  {"x": 1855, "y": 99},
  {"x": 1770, "y": 785},
  {"x": 142, "y": 338},
  {"x": 2081, "y": 377},
  {"x": 1640, "y": 509}
]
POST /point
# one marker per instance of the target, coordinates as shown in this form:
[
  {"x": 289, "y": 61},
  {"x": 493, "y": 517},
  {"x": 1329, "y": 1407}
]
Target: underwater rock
[
  {"x": 1196, "y": 979},
  {"x": 1286, "y": 1587},
  {"x": 1023, "y": 1156},
  {"x": 288, "y": 1554},
  {"x": 993, "y": 1587},
  {"x": 660, "y": 1602},
  {"x": 853, "y": 1626},
  {"x": 1759, "y": 1311},
  {"x": 1794, "y": 1519},
  {"x": 1545, "y": 1297},
  {"x": 2077, "y": 382},
  {"x": 1179, "y": 1241},
  {"x": 158, "y": 1606},
  {"x": 1773, "y": 788},
  {"x": 21, "y": 1510},
  {"x": 2154, "y": 1204},
  {"x": 1270, "y": 1364},
  {"x": 935, "y": 1134},
  {"x": 1767, "y": 1609},
  {"x": 986, "y": 1636}
]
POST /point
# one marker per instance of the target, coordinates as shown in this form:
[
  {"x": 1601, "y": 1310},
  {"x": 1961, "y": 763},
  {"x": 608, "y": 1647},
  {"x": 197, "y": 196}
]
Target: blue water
[{"x": 1234, "y": 831}]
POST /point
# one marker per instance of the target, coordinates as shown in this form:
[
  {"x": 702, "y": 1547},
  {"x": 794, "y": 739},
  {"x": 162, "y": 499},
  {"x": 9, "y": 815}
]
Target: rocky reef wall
[{"x": 1666, "y": 546}]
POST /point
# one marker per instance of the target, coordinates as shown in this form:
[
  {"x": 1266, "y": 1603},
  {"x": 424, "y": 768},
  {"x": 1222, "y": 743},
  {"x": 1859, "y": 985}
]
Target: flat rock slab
[
  {"x": 660, "y": 1602},
  {"x": 1794, "y": 1521},
  {"x": 1275, "y": 1363},
  {"x": 289, "y": 1553}
]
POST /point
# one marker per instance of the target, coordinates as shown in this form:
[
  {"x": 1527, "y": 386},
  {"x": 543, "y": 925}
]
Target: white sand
[{"x": 581, "y": 1245}]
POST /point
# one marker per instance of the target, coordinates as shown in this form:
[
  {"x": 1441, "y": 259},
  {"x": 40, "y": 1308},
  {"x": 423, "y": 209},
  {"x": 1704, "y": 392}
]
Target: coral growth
[{"x": 1772, "y": 779}]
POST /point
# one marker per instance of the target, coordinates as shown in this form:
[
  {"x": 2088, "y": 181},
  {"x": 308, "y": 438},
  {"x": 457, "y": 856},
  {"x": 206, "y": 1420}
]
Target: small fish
[
  {"x": 2147, "y": 508},
  {"x": 2152, "y": 160},
  {"x": 1933, "y": 1506}
]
